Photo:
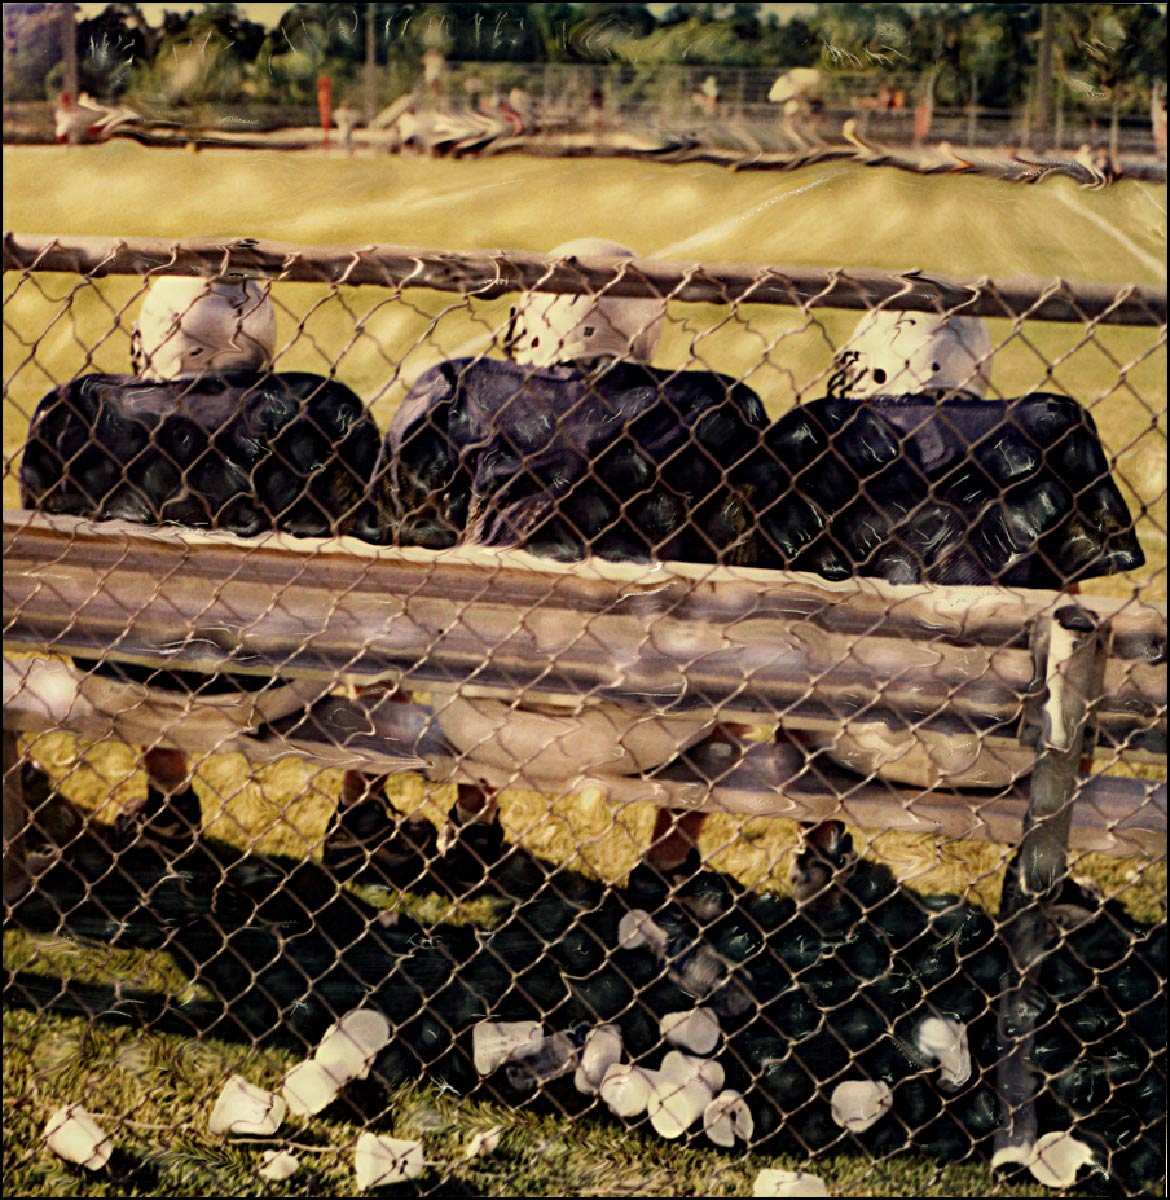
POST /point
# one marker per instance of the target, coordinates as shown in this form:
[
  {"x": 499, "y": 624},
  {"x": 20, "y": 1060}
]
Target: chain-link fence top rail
[{"x": 808, "y": 1005}]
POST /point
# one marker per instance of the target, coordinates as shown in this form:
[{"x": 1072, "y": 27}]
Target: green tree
[
  {"x": 110, "y": 46},
  {"x": 694, "y": 42},
  {"x": 863, "y": 37},
  {"x": 997, "y": 49},
  {"x": 1110, "y": 52},
  {"x": 554, "y": 22},
  {"x": 607, "y": 31},
  {"x": 745, "y": 21},
  {"x": 789, "y": 44},
  {"x": 203, "y": 57}
]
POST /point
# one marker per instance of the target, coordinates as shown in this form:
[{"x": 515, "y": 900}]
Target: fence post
[
  {"x": 69, "y": 61},
  {"x": 1072, "y": 679},
  {"x": 1058, "y": 136},
  {"x": 972, "y": 112},
  {"x": 1114, "y": 126},
  {"x": 371, "y": 80}
]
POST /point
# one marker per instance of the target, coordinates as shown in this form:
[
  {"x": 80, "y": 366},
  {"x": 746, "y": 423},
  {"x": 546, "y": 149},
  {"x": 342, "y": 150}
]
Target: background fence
[
  {"x": 713, "y": 106},
  {"x": 872, "y": 1031}
]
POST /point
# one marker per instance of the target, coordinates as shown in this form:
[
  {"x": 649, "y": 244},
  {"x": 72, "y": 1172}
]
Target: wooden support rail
[{"x": 487, "y": 275}]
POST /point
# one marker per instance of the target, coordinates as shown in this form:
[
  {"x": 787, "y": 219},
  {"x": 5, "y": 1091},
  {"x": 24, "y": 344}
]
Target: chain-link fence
[{"x": 662, "y": 723}]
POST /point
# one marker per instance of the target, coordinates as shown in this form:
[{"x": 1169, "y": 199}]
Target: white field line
[
  {"x": 715, "y": 232},
  {"x": 1157, "y": 265}
]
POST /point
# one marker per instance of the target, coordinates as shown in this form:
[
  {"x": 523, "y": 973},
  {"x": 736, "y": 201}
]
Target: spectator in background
[
  {"x": 575, "y": 447},
  {"x": 520, "y": 102},
  {"x": 473, "y": 86},
  {"x": 346, "y": 118},
  {"x": 595, "y": 118},
  {"x": 204, "y": 434},
  {"x": 707, "y": 97},
  {"x": 799, "y": 91}
]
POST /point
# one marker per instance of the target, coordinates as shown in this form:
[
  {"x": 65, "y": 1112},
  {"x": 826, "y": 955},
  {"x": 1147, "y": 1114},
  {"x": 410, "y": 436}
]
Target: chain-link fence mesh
[{"x": 906, "y": 655}]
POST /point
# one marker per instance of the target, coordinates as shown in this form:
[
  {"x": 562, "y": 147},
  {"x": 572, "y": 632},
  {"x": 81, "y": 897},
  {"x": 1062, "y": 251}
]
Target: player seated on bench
[
  {"x": 906, "y": 471},
  {"x": 203, "y": 434},
  {"x": 576, "y": 447}
]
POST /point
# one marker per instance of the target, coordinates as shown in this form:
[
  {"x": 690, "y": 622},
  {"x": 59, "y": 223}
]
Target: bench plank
[{"x": 746, "y": 644}]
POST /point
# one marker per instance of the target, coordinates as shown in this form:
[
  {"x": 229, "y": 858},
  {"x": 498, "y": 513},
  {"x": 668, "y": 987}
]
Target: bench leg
[
  {"x": 1072, "y": 675},
  {"x": 16, "y": 874}
]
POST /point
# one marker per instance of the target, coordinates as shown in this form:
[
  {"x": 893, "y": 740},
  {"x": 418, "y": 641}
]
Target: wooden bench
[{"x": 750, "y": 646}]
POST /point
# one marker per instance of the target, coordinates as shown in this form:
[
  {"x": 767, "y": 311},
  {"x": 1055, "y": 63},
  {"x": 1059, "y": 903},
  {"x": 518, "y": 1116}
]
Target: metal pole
[
  {"x": 1058, "y": 137},
  {"x": 1074, "y": 676},
  {"x": 972, "y": 116},
  {"x": 69, "y": 61},
  {"x": 1044, "y": 79},
  {"x": 16, "y": 876},
  {"x": 371, "y": 67},
  {"x": 1114, "y": 124}
]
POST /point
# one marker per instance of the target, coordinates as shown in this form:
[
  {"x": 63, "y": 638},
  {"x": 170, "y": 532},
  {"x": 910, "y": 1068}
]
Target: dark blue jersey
[
  {"x": 913, "y": 489},
  {"x": 240, "y": 452},
  {"x": 619, "y": 460}
]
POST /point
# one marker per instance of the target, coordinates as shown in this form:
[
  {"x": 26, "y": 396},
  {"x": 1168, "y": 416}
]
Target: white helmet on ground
[
  {"x": 909, "y": 353},
  {"x": 189, "y": 325},
  {"x": 550, "y": 328}
]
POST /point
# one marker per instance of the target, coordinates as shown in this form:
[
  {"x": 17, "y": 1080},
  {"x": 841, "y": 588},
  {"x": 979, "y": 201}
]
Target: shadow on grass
[{"x": 806, "y": 998}]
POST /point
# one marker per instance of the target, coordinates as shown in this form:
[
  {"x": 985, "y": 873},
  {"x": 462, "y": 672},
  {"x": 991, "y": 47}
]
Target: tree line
[{"x": 987, "y": 54}]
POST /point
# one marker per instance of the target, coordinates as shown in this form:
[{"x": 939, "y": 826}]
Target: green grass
[
  {"x": 56, "y": 326},
  {"x": 145, "y": 1085},
  {"x": 837, "y": 215}
]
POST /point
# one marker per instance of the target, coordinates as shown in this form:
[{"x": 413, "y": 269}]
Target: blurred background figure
[
  {"x": 346, "y": 117},
  {"x": 520, "y": 102},
  {"x": 500, "y": 106},
  {"x": 595, "y": 115},
  {"x": 87, "y": 121},
  {"x": 1158, "y": 120},
  {"x": 706, "y": 99},
  {"x": 473, "y": 87},
  {"x": 799, "y": 92}
]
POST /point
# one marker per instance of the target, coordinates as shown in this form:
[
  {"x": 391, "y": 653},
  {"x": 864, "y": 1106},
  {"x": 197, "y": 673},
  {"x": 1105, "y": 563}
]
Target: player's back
[
  {"x": 240, "y": 451},
  {"x": 956, "y": 491},
  {"x": 616, "y": 459}
]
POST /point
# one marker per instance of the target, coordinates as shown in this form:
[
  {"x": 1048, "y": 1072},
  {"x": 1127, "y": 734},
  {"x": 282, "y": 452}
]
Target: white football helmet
[
  {"x": 189, "y": 325},
  {"x": 549, "y": 328},
  {"x": 910, "y": 353}
]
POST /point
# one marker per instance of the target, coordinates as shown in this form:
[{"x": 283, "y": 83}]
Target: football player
[
  {"x": 203, "y": 434},
  {"x": 908, "y": 471},
  {"x": 575, "y": 446}
]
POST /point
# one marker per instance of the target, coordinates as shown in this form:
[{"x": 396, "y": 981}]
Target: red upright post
[{"x": 325, "y": 106}]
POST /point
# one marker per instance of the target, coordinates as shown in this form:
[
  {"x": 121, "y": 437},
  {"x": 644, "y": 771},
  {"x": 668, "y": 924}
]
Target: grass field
[{"x": 834, "y": 216}]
